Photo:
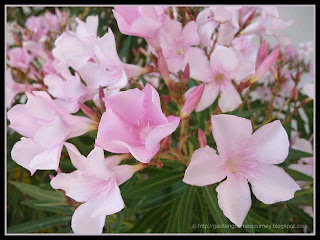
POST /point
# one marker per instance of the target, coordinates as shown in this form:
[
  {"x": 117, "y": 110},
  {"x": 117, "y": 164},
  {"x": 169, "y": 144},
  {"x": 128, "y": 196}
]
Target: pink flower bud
[
  {"x": 163, "y": 68},
  {"x": 262, "y": 53},
  {"x": 192, "y": 101},
  {"x": 87, "y": 111},
  {"x": 266, "y": 65},
  {"x": 202, "y": 138},
  {"x": 186, "y": 74}
]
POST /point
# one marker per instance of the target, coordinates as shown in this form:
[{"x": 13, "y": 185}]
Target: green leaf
[
  {"x": 173, "y": 218},
  {"x": 263, "y": 224},
  {"x": 38, "y": 193},
  {"x": 248, "y": 225},
  {"x": 38, "y": 225},
  {"x": 298, "y": 176},
  {"x": 283, "y": 216},
  {"x": 301, "y": 215},
  {"x": 49, "y": 206},
  {"x": 185, "y": 208},
  {"x": 247, "y": 113},
  {"x": 126, "y": 47},
  {"x": 212, "y": 202},
  {"x": 296, "y": 154},
  {"x": 153, "y": 184},
  {"x": 203, "y": 212}
]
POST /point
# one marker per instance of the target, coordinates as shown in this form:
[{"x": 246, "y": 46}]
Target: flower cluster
[{"x": 196, "y": 60}]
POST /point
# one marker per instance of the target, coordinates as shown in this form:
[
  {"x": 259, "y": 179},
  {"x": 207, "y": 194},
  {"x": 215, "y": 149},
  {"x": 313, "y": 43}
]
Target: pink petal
[
  {"x": 112, "y": 128},
  {"x": 302, "y": 145},
  {"x": 122, "y": 173},
  {"x": 209, "y": 95},
  {"x": 83, "y": 223},
  {"x": 24, "y": 151},
  {"x": 175, "y": 64},
  {"x": 77, "y": 185},
  {"x": 199, "y": 65},
  {"x": 308, "y": 89},
  {"x": 243, "y": 70},
  {"x": 55, "y": 85},
  {"x": 47, "y": 159},
  {"x": 304, "y": 168},
  {"x": 171, "y": 31},
  {"x": 273, "y": 185},
  {"x": 226, "y": 34},
  {"x": 224, "y": 57},
  {"x": 221, "y": 14},
  {"x": 270, "y": 143},
  {"x": 88, "y": 28},
  {"x": 79, "y": 161},
  {"x": 206, "y": 31},
  {"x": 97, "y": 163},
  {"x": 78, "y": 125},
  {"x": 229, "y": 131},
  {"x": 52, "y": 134},
  {"x": 190, "y": 33},
  {"x": 205, "y": 168},
  {"x": 234, "y": 199},
  {"x": 158, "y": 133},
  {"x": 230, "y": 98},
  {"x": 40, "y": 107}
]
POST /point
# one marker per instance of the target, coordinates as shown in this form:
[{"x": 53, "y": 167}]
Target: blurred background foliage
[{"x": 156, "y": 199}]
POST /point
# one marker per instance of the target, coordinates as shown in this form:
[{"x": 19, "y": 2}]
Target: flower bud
[
  {"x": 163, "y": 68},
  {"x": 192, "y": 101},
  {"x": 88, "y": 111},
  {"x": 262, "y": 53},
  {"x": 265, "y": 65},
  {"x": 202, "y": 138},
  {"x": 186, "y": 74}
]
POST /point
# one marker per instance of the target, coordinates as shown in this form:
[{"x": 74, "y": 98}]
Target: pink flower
[
  {"x": 175, "y": 42},
  {"x": 143, "y": 21},
  {"x": 225, "y": 64},
  {"x": 20, "y": 58},
  {"x": 308, "y": 89},
  {"x": 38, "y": 26},
  {"x": 12, "y": 88},
  {"x": 46, "y": 127},
  {"x": 133, "y": 122},
  {"x": 95, "y": 182},
  {"x": 243, "y": 157},
  {"x": 193, "y": 97}
]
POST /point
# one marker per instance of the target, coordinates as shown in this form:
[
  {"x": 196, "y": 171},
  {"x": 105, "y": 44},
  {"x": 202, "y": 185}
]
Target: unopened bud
[
  {"x": 88, "y": 111},
  {"x": 262, "y": 53},
  {"x": 202, "y": 138},
  {"x": 192, "y": 101},
  {"x": 163, "y": 68},
  {"x": 186, "y": 74},
  {"x": 265, "y": 65}
]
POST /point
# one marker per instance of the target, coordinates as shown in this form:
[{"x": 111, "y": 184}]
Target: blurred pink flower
[
  {"x": 243, "y": 157},
  {"x": 20, "y": 58},
  {"x": 12, "y": 88},
  {"x": 133, "y": 122}
]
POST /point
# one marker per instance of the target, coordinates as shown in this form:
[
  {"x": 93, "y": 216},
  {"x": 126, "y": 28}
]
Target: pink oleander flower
[
  {"x": 37, "y": 49},
  {"x": 20, "y": 58},
  {"x": 133, "y": 122},
  {"x": 46, "y": 127},
  {"x": 176, "y": 41},
  {"x": 96, "y": 183},
  {"x": 38, "y": 26},
  {"x": 308, "y": 89},
  {"x": 225, "y": 64},
  {"x": 243, "y": 157},
  {"x": 142, "y": 22},
  {"x": 68, "y": 89},
  {"x": 193, "y": 98},
  {"x": 244, "y": 45},
  {"x": 12, "y": 88}
]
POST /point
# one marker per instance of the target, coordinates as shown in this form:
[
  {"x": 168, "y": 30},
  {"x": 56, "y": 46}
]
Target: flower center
[
  {"x": 180, "y": 50},
  {"x": 144, "y": 132},
  {"x": 219, "y": 78}
]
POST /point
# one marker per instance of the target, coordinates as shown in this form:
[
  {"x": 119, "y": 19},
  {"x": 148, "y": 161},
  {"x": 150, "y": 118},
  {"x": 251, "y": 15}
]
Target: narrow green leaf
[
  {"x": 248, "y": 225},
  {"x": 212, "y": 202},
  {"x": 38, "y": 225},
  {"x": 263, "y": 224},
  {"x": 126, "y": 47},
  {"x": 298, "y": 176},
  {"x": 173, "y": 218},
  {"x": 185, "y": 210},
  {"x": 38, "y": 193},
  {"x": 153, "y": 184},
  {"x": 283, "y": 216},
  {"x": 301, "y": 215},
  {"x": 49, "y": 206},
  {"x": 296, "y": 154},
  {"x": 203, "y": 211}
]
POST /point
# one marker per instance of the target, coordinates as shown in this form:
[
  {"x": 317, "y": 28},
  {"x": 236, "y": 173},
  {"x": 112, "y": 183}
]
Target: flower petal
[
  {"x": 224, "y": 57},
  {"x": 234, "y": 199},
  {"x": 97, "y": 163},
  {"x": 270, "y": 143},
  {"x": 161, "y": 131},
  {"x": 47, "y": 159},
  {"x": 209, "y": 95},
  {"x": 229, "y": 131},
  {"x": 273, "y": 184},
  {"x": 79, "y": 161},
  {"x": 190, "y": 33},
  {"x": 83, "y": 223},
  {"x": 205, "y": 168},
  {"x": 230, "y": 98}
]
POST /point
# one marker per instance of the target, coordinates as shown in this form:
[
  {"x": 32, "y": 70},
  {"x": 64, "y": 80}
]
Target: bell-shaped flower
[
  {"x": 46, "y": 127},
  {"x": 225, "y": 64},
  {"x": 243, "y": 157},
  {"x": 95, "y": 183},
  {"x": 20, "y": 58},
  {"x": 133, "y": 122},
  {"x": 176, "y": 42}
]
